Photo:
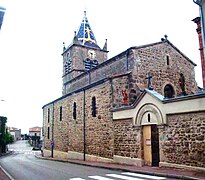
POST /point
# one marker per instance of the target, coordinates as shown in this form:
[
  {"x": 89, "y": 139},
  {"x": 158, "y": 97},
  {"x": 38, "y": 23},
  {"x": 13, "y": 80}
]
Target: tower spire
[
  {"x": 105, "y": 45},
  {"x": 85, "y": 34}
]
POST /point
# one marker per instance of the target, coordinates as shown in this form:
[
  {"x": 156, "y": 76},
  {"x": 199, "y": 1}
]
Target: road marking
[
  {"x": 123, "y": 177},
  {"x": 99, "y": 178},
  {"x": 143, "y": 175}
]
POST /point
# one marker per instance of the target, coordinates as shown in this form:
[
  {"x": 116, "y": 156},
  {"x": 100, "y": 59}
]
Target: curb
[
  {"x": 121, "y": 169},
  {"x": 7, "y": 174}
]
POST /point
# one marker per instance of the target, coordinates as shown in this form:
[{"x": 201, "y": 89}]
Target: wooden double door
[{"x": 151, "y": 145}]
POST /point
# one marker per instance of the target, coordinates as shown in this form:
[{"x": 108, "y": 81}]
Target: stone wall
[
  {"x": 127, "y": 139},
  {"x": 118, "y": 65},
  {"x": 75, "y": 126},
  {"x": 47, "y": 123},
  {"x": 120, "y": 87},
  {"x": 99, "y": 129},
  {"x": 182, "y": 141},
  {"x": 69, "y": 132},
  {"x": 153, "y": 60},
  {"x": 141, "y": 61},
  {"x": 78, "y": 55}
]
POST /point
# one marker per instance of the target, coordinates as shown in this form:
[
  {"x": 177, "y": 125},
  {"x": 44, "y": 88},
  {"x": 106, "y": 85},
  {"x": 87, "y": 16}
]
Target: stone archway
[
  {"x": 149, "y": 117},
  {"x": 149, "y": 114}
]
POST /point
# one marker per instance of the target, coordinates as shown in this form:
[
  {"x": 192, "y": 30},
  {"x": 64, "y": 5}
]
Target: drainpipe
[
  {"x": 84, "y": 133},
  {"x": 202, "y": 49},
  {"x": 198, "y": 2},
  {"x": 52, "y": 130}
]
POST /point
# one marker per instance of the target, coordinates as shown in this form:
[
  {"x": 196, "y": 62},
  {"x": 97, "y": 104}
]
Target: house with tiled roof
[
  {"x": 15, "y": 132},
  {"x": 35, "y": 131}
]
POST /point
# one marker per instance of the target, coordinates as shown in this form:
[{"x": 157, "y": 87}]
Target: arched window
[
  {"x": 67, "y": 66},
  {"x": 169, "y": 91},
  {"x": 148, "y": 117},
  {"x": 74, "y": 110},
  {"x": 94, "y": 63},
  {"x": 68, "y": 56},
  {"x": 87, "y": 64},
  {"x": 94, "y": 106}
]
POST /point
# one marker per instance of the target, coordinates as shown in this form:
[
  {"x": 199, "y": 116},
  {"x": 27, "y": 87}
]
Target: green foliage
[{"x": 5, "y": 137}]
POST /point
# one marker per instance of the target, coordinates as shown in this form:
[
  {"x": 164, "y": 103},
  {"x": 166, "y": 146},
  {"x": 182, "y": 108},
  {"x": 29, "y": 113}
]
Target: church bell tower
[{"x": 82, "y": 55}]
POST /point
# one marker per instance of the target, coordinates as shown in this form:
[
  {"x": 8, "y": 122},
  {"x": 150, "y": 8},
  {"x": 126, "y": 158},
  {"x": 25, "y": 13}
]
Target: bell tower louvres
[{"x": 82, "y": 55}]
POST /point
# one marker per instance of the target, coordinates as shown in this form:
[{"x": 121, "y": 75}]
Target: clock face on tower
[{"x": 91, "y": 54}]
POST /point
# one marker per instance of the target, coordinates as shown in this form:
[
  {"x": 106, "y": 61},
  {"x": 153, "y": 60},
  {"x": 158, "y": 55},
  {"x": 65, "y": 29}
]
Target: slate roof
[
  {"x": 2, "y": 11},
  {"x": 85, "y": 34}
]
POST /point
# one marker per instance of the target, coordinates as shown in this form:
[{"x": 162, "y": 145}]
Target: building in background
[
  {"x": 35, "y": 131},
  {"x": 15, "y": 132},
  {"x": 2, "y": 12},
  {"x": 35, "y": 135}
]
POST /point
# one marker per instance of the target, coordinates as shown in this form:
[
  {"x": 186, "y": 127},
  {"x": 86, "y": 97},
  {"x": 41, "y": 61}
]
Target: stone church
[{"x": 141, "y": 107}]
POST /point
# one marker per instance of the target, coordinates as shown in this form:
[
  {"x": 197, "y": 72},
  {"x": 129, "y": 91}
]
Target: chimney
[{"x": 198, "y": 30}]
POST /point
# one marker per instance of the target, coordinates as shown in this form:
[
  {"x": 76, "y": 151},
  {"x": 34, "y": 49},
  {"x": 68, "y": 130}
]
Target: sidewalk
[
  {"x": 167, "y": 172},
  {"x": 3, "y": 175}
]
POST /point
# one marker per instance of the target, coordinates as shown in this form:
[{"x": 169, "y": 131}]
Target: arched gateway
[{"x": 149, "y": 116}]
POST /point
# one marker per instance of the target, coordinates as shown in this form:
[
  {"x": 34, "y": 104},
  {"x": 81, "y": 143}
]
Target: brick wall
[{"x": 183, "y": 140}]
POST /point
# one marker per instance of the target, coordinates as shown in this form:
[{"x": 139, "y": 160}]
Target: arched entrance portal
[{"x": 149, "y": 117}]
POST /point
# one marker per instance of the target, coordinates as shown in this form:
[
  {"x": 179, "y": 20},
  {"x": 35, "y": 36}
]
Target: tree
[{"x": 5, "y": 136}]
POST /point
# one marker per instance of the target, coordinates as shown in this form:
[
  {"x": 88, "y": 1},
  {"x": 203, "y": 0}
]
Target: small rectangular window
[
  {"x": 48, "y": 133},
  {"x": 61, "y": 113},
  {"x": 74, "y": 110},
  {"x": 167, "y": 58}
]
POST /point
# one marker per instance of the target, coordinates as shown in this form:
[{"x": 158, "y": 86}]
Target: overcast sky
[{"x": 33, "y": 31}]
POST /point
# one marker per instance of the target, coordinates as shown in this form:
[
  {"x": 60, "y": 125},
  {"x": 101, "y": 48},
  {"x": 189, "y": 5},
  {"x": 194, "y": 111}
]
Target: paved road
[{"x": 23, "y": 165}]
